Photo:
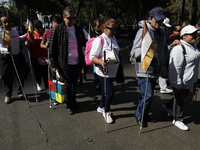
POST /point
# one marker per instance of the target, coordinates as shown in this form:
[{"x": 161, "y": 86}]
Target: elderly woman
[
  {"x": 109, "y": 28},
  {"x": 183, "y": 68}
]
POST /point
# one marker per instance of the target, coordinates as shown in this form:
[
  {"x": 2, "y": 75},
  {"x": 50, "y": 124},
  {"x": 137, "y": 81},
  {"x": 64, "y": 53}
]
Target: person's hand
[
  {"x": 54, "y": 69},
  {"x": 27, "y": 42},
  {"x": 47, "y": 44},
  {"x": 9, "y": 48},
  {"x": 176, "y": 42},
  {"x": 102, "y": 63}
]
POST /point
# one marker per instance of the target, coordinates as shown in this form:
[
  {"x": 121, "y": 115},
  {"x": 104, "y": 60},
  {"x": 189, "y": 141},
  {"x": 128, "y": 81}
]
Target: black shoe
[
  {"x": 150, "y": 119},
  {"x": 70, "y": 111},
  {"x": 77, "y": 105},
  {"x": 139, "y": 121}
]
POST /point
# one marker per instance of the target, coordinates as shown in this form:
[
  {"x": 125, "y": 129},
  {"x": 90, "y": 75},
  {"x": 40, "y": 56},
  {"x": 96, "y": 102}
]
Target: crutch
[
  {"x": 19, "y": 80},
  {"x": 144, "y": 102},
  {"x": 29, "y": 57},
  {"x": 105, "y": 72}
]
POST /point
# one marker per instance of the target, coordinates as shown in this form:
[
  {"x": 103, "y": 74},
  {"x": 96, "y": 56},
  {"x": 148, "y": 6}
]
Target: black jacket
[{"x": 58, "y": 48}]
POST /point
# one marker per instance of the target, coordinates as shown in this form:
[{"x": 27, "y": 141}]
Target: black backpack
[{"x": 165, "y": 67}]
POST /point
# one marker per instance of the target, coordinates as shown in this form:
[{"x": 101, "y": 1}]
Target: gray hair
[{"x": 69, "y": 10}]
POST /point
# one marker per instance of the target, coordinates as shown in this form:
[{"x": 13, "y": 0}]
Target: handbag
[
  {"x": 43, "y": 61},
  {"x": 57, "y": 90},
  {"x": 120, "y": 72}
]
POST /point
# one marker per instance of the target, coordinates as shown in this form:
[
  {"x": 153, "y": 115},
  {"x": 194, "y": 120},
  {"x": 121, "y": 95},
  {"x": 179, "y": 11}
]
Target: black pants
[
  {"x": 179, "y": 97},
  {"x": 11, "y": 74},
  {"x": 40, "y": 71}
]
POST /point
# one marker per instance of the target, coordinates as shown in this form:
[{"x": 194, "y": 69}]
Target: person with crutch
[
  {"x": 7, "y": 70},
  {"x": 147, "y": 78},
  {"x": 109, "y": 28}
]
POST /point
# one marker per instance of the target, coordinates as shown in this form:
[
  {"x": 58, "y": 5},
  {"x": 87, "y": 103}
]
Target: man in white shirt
[{"x": 7, "y": 69}]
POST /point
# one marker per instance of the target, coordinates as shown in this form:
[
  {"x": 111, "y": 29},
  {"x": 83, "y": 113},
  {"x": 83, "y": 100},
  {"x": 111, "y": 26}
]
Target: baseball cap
[
  {"x": 188, "y": 30},
  {"x": 157, "y": 13},
  {"x": 167, "y": 22}
]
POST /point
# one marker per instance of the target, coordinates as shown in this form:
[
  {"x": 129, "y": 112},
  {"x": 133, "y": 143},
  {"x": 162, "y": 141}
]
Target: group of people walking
[{"x": 67, "y": 57}]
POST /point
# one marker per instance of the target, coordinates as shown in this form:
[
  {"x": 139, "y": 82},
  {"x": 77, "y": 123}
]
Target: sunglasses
[
  {"x": 71, "y": 18},
  {"x": 112, "y": 29},
  {"x": 38, "y": 27},
  {"x": 178, "y": 30}
]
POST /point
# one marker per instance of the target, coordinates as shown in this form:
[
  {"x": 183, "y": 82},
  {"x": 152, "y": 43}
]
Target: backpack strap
[
  {"x": 102, "y": 40},
  {"x": 184, "y": 51}
]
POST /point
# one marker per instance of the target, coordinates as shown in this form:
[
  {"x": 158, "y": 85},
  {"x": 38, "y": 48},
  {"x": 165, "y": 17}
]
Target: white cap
[
  {"x": 166, "y": 22},
  {"x": 188, "y": 30}
]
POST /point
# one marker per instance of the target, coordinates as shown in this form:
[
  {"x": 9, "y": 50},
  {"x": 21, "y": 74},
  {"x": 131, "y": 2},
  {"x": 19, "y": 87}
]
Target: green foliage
[{"x": 126, "y": 12}]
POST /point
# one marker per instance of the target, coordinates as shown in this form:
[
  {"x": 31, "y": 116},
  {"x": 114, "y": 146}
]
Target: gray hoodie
[
  {"x": 159, "y": 37},
  {"x": 183, "y": 69}
]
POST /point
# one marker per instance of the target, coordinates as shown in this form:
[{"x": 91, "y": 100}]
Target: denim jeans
[
  {"x": 149, "y": 95},
  {"x": 70, "y": 77},
  {"x": 109, "y": 92}
]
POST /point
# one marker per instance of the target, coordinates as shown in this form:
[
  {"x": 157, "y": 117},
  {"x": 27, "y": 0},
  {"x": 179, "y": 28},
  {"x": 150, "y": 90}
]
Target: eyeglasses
[
  {"x": 112, "y": 29},
  {"x": 71, "y": 18},
  {"x": 38, "y": 27},
  {"x": 178, "y": 30}
]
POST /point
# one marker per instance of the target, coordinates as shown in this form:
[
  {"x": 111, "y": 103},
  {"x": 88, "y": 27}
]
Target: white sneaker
[
  {"x": 39, "y": 87},
  {"x": 47, "y": 91},
  {"x": 164, "y": 91},
  {"x": 56, "y": 103},
  {"x": 168, "y": 111},
  {"x": 108, "y": 117},
  {"x": 180, "y": 125},
  {"x": 100, "y": 110},
  {"x": 7, "y": 100}
]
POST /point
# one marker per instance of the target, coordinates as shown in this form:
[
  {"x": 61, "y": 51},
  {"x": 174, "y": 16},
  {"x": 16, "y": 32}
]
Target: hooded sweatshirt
[{"x": 158, "y": 36}]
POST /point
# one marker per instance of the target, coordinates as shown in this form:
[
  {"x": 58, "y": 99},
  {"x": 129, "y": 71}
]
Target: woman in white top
[
  {"x": 109, "y": 28},
  {"x": 183, "y": 70}
]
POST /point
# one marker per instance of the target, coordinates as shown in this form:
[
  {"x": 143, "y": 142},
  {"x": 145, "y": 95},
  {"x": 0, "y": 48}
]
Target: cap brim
[
  {"x": 159, "y": 17},
  {"x": 168, "y": 25}
]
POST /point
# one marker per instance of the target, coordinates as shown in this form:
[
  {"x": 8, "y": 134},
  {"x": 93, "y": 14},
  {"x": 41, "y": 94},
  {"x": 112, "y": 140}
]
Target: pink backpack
[{"x": 88, "y": 48}]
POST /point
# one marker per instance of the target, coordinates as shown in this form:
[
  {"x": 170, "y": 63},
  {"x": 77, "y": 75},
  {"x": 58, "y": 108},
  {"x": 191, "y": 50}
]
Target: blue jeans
[
  {"x": 149, "y": 95},
  {"x": 70, "y": 77},
  {"x": 109, "y": 92}
]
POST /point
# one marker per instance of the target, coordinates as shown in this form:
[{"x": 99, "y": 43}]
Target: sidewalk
[{"x": 44, "y": 128}]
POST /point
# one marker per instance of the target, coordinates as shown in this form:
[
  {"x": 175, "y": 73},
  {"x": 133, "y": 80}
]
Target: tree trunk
[
  {"x": 194, "y": 12},
  {"x": 183, "y": 11}
]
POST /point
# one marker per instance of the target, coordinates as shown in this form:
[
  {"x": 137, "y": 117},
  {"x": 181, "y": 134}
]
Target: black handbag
[{"x": 120, "y": 72}]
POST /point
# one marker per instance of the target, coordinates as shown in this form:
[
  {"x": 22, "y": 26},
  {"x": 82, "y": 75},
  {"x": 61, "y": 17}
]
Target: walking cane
[
  {"x": 144, "y": 101},
  {"x": 19, "y": 79},
  {"x": 104, "y": 72},
  {"x": 29, "y": 57},
  {"x": 49, "y": 63}
]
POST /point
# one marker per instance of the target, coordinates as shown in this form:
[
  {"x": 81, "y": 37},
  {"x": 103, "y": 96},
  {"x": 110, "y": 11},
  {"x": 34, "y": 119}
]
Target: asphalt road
[{"x": 44, "y": 128}]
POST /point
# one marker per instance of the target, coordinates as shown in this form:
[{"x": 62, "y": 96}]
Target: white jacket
[
  {"x": 98, "y": 51},
  {"x": 183, "y": 69}
]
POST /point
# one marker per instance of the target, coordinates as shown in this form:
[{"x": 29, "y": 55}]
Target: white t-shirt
[
  {"x": 97, "y": 51},
  {"x": 14, "y": 40},
  {"x": 72, "y": 46}
]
